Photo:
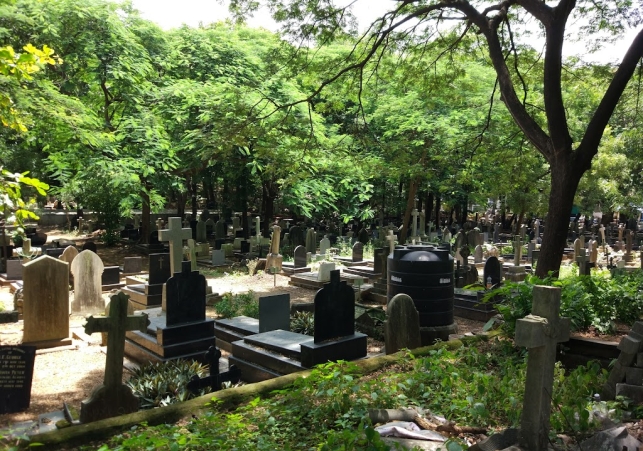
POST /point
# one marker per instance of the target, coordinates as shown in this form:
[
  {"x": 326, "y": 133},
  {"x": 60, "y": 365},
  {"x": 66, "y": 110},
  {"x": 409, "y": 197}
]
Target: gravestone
[
  {"x": 54, "y": 252},
  {"x": 496, "y": 232},
  {"x": 87, "y": 269},
  {"x": 379, "y": 260},
  {"x": 539, "y": 333},
  {"x": 209, "y": 227},
  {"x": 191, "y": 254},
  {"x": 90, "y": 245},
  {"x": 274, "y": 312},
  {"x": 220, "y": 230},
  {"x": 324, "y": 245},
  {"x": 201, "y": 231},
  {"x": 300, "y": 257},
  {"x": 16, "y": 374},
  {"x": 492, "y": 273},
  {"x": 68, "y": 255},
  {"x": 218, "y": 258},
  {"x": 629, "y": 239},
  {"x": 583, "y": 263},
  {"x": 358, "y": 252},
  {"x": 111, "y": 276},
  {"x": 244, "y": 247},
  {"x": 414, "y": 223},
  {"x": 391, "y": 241},
  {"x": 184, "y": 296},
  {"x": 577, "y": 248},
  {"x": 175, "y": 234},
  {"x": 160, "y": 269},
  {"x": 113, "y": 398},
  {"x": 14, "y": 270},
  {"x": 311, "y": 241},
  {"x": 274, "y": 258},
  {"x": 296, "y": 235},
  {"x": 132, "y": 265},
  {"x": 402, "y": 325},
  {"x": 323, "y": 273},
  {"x": 215, "y": 379},
  {"x": 477, "y": 254},
  {"x": 517, "y": 243}
]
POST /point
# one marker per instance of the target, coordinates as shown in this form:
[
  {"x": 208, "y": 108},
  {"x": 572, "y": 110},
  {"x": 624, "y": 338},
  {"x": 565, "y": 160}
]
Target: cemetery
[{"x": 362, "y": 225}]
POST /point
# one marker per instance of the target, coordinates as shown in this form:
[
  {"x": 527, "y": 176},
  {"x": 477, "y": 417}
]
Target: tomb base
[
  {"x": 228, "y": 331},
  {"x": 289, "y": 269},
  {"x": 345, "y": 348},
  {"x": 47, "y": 344},
  {"x": 144, "y": 296},
  {"x": 161, "y": 343},
  {"x": 431, "y": 335},
  {"x": 516, "y": 273},
  {"x": 365, "y": 272},
  {"x": 468, "y": 304},
  {"x": 309, "y": 280}
]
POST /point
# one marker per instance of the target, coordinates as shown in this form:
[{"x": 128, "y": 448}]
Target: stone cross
[
  {"x": 536, "y": 229},
  {"x": 258, "y": 229},
  {"x": 582, "y": 260},
  {"x": 276, "y": 237},
  {"x": 423, "y": 224},
  {"x": 113, "y": 397},
  {"x": 175, "y": 235},
  {"x": 602, "y": 230},
  {"x": 517, "y": 250},
  {"x": 391, "y": 241},
  {"x": 160, "y": 223},
  {"x": 415, "y": 215},
  {"x": 215, "y": 378},
  {"x": 539, "y": 333}
]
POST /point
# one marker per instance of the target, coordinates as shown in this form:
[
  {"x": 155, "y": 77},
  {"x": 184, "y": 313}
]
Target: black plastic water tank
[{"x": 426, "y": 274}]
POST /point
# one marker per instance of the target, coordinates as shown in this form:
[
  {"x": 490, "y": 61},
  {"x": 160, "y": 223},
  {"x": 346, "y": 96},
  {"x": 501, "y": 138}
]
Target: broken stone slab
[
  {"x": 629, "y": 345},
  {"x": 616, "y": 439},
  {"x": 634, "y": 392},
  {"x": 634, "y": 376},
  {"x": 501, "y": 441}
]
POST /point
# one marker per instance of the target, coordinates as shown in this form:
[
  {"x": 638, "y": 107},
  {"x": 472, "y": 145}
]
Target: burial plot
[
  {"x": 300, "y": 263},
  {"x": 179, "y": 329},
  {"x": 16, "y": 374},
  {"x": 87, "y": 269},
  {"x": 46, "y": 303},
  {"x": 113, "y": 398},
  {"x": 469, "y": 304},
  {"x": 149, "y": 294}
]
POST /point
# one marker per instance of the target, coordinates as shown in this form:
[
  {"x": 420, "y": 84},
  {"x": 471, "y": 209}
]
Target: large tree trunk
[
  {"x": 410, "y": 203},
  {"x": 429, "y": 207},
  {"x": 564, "y": 181}
]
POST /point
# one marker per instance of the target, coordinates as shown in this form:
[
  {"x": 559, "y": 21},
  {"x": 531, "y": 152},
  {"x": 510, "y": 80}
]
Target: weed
[{"x": 240, "y": 304}]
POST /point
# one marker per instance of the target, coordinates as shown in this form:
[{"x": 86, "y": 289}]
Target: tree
[{"x": 412, "y": 24}]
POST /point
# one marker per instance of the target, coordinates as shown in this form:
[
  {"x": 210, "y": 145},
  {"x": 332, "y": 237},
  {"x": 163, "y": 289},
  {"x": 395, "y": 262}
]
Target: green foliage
[
  {"x": 164, "y": 383},
  {"x": 12, "y": 202},
  {"x": 303, "y": 323},
  {"x": 239, "y": 304},
  {"x": 589, "y": 301}
]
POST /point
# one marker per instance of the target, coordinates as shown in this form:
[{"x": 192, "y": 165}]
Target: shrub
[
  {"x": 303, "y": 323},
  {"x": 240, "y": 304}
]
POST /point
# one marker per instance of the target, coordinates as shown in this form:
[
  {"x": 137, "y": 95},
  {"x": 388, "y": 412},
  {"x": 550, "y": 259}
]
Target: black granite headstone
[
  {"x": 38, "y": 238},
  {"x": 54, "y": 252},
  {"x": 379, "y": 260},
  {"x": 159, "y": 268},
  {"x": 334, "y": 310},
  {"x": 218, "y": 243},
  {"x": 90, "y": 245},
  {"x": 238, "y": 234},
  {"x": 296, "y": 236},
  {"x": 193, "y": 224},
  {"x": 274, "y": 312},
  {"x": 300, "y": 257},
  {"x": 185, "y": 296},
  {"x": 492, "y": 272},
  {"x": 358, "y": 251},
  {"x": 245, "y": 247},
  {"x": 111, "y": 275},
  {"x": 154, "y": 237},
  {"x": 16, "y": 373}
]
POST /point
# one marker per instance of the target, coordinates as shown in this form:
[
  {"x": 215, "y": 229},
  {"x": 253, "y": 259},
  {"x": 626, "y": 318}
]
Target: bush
[
  {"x": 241, "y": 304},
  {"x": 164, "y": 383},
  {"x": 303, "y": 323}
]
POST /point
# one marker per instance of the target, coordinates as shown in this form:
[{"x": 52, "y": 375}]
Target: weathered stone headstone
[
  {"x": 379, "y": 260},
  {"x": 583, "y": 266},
  {"x": 274, "y": 312},
  {"x": 414, "y": 223},
  {"x": 517, "y": 251},
  {"x": 16, "y": 375},
  {"x": 300, "y": 257},
  {"x": 324, "y": 245},
  {"x": 220, "y": 230},
  {"x": 184, "y": 296},
  {"x": 209, "y": 227},
  {"x": 274, "y": 258},
  {"x": 391, "y": 241},
  {"x": 132, "y": 265},
  {"x": 539, "y": 333},
  {"x": 296, "y": 236},
  {"x": 87, "y": 269},
  {"x": 14, "y": 269},
  {"x": 175, "y": 234},
  {"x": 478, "y": 254},
  {"x": 323, "y": 273},
  {"x": 496, "y": 232},
  {"x": 492, "y": 273},
  {"x": 218, "y": 257},
  {"x": 192, "y": 254},
  {"x": 358, "y": 252},
  {"x": 311, "y": 241},
  {"x": 113, "y": 398},
  {"x": 201, "y": 231},
  {"x": 402, "y": 325},
  {"x": 334, "y": 310}
]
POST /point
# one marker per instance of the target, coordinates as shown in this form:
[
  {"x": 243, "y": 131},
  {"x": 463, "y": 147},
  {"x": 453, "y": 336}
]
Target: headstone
[
  {"x": 159, "y": 266},
  {"x": 175, "y": 235},
  {"x": 311, "y": 241},
  {"x": 324, "y": 245},
  {"x": 423, "y": 224},
  {"x": 602, "y": 232},
  {"x": 209, "y": 227},
  {"x": 460, "y": 240},
  {"x": 296, "y": 236},
  {"x": 14, "y": 269},
  {"x": 184, "y": 297},
  {"x": 334, "y": 310},
  {"x": 358, "y": 252},
  {"x": 402, "y": 325},
  {"x": 274, "y": 258},
  {"x": 492, "y": 273},
  {"x": 113, "y": 398},
  {"x": 583, "y": 266},
  {"x": 87, "y": 269},
  {"x": 379, "y": 259},
  {"x": 414, "y": 225},
  {"x": 531, "y": 246},
  {"x": 391, "y": 241},
  {"x": 300, "y": 257},
  {"x": 201, "y": 231},
  {"x": 446, "y": 235},
  {"x": 478, "y": 254},
  {"x": 244, "y": 246},
  {"x": 16, "y": 374},
  {"x": 496, "y": 232},
  {"x": 577, "y": 247},
  {"x": 54, "y": 252},
  {"x": 220, "y": 230},
  {"x": 629, "y": 239},
  {"x": 274, "y": 312},
  {"x": 90, "y": 245},
  {"x": 111, "y": 276},
  {"x": 539, "y": 333},
  {"x": 218, "y": 257},
  {"x": 192, "y": 254},
  {"x": 323, "y": 273},
  {"x": 132, "y": 265},
  {"x": 593, "y": 257},
  {"x": 363, "y": 236},
  {"x": 517, "y": 251},
  {"x": 537, "y": 229},
  {"x": 68, "y": 255}
]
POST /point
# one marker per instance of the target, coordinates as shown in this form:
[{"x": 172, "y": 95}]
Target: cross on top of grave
[
  {"x": 582, "y": 260},
  {"x": 113, "y": 397},
  {"x": 539, "y": 333},
  {"x": 391, "y": 241},
  {"x": 175, "y": 235},
  {"x": 215, "y": 378},
  {"x": 517, "y": 250}
]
